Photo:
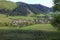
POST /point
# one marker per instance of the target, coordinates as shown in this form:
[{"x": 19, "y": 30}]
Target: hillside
[
  {"x": 38, "y": 8},
  {"x": 7, "y": 6},
  {"x": 20, "y": 8}
]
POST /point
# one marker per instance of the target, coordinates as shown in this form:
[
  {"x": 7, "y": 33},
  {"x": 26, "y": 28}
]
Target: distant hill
[
  {"x": 21, "y": 8},
  {"x": 38, "y": 8}
]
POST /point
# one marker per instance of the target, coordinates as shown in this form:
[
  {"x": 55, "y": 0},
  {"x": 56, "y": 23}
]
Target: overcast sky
[{"x": 48, "y": 3}]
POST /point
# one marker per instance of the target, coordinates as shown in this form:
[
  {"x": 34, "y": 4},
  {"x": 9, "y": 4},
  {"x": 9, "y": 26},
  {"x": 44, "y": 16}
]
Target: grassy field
[
  {"x": 28, "y": 35},
  {"x": 4, "y": 18},
  {"x": 45, "y": 27},
  {"x": 32, "y": 32}
]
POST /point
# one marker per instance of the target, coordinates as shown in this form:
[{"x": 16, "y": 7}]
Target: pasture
[
  {"x": 45, "y": 27},
  {"x": 30, "y": 32}
]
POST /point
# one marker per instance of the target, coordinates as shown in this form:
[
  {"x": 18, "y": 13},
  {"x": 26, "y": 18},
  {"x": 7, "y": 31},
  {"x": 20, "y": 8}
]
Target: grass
[
  {"x": 28, "y": 35},
  {"x": 32, "y": 32},
  {"x": 7, "y": 4},
  {"x": 4, "y": 18},
  {"x": 44, "y": 27},
  {"x": 21, "y": 17}
]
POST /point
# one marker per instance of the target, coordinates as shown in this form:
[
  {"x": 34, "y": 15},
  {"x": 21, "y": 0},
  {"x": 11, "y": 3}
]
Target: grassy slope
[
  {"x": 22, "y": 17},
  {"x": 3, "y": 18},
  {"x": 46, "y": 27},
  {"x": 7, "y": 5}
]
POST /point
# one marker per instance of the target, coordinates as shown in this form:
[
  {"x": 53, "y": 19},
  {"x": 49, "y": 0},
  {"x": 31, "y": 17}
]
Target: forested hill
[{"x": 21, "y": 8}]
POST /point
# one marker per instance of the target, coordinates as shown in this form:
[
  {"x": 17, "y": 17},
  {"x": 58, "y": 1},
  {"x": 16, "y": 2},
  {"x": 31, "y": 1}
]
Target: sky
[{"x": 48, "y": 3}]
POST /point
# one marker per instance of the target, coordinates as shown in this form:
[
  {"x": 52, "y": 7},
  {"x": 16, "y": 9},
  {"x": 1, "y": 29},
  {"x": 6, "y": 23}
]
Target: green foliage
[
  {"x": 56, "y": 1},
  {"x": 56, "y": 6},
  {"x": 56, "y": 20}
]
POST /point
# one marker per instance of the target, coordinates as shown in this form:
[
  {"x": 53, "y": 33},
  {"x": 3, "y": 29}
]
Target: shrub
[{"x": 56, "y": 21}]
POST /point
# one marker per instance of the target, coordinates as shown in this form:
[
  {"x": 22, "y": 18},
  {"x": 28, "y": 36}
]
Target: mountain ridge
[{"x": 20, "y": 8}]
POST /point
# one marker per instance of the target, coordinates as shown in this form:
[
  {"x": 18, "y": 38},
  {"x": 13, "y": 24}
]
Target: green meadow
[{"x": 31, "y": 32}]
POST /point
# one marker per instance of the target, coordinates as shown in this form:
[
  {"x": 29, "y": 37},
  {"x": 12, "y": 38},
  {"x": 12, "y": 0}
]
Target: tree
[
  {"x": 56, "y": 20},
  {"x": 56, "y": 6}
]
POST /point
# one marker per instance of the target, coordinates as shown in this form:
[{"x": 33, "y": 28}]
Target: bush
[
  {"x": 56, "y": 21},
  {"x": 6, "y": 24}
]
